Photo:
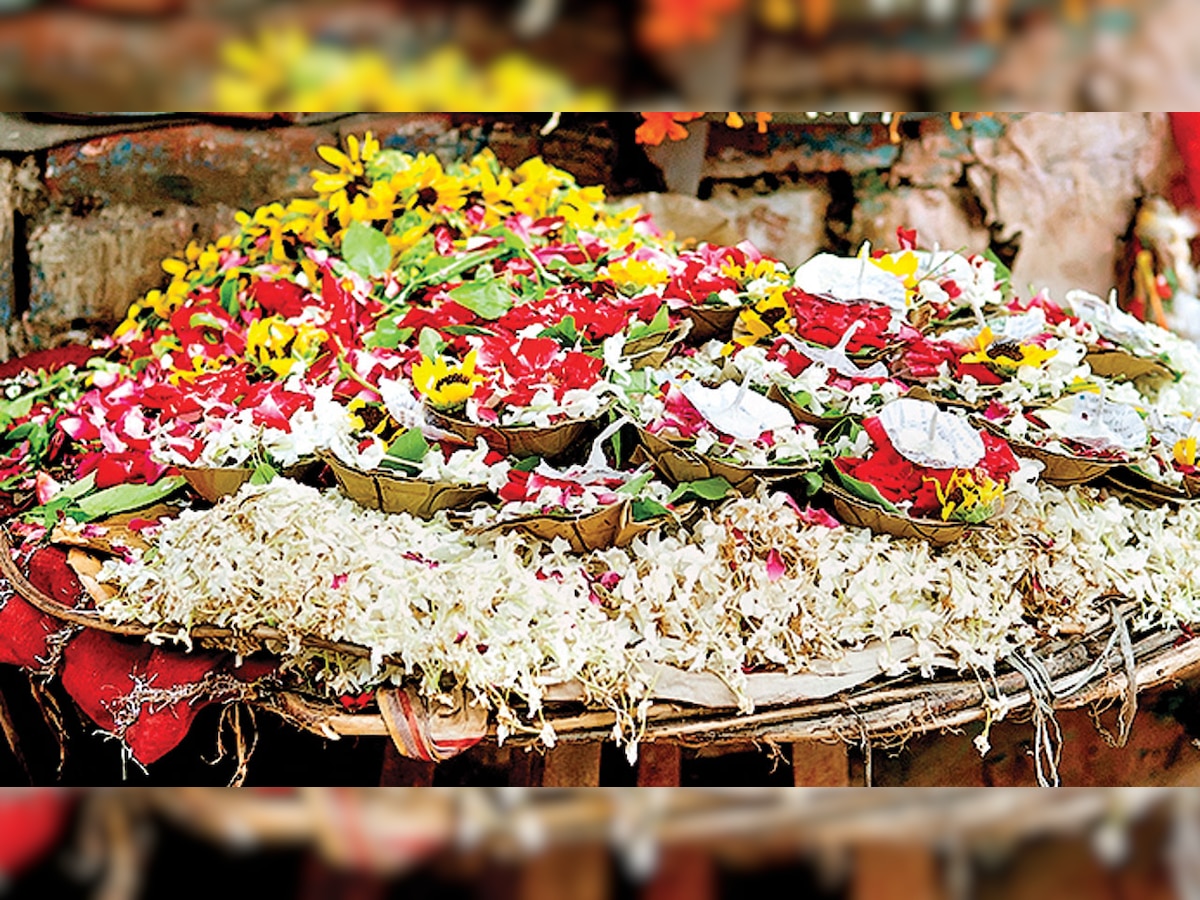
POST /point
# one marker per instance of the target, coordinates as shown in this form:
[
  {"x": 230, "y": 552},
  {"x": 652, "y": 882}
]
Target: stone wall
[{"x": 84, "y": 221}]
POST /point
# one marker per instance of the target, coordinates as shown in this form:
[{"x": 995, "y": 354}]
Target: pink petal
[
  {"x": 819, "y": 517},
  {"x": 47, "y": 488},
  {"x": 339, "y": 580},
  {"x": 775, "y": 567}
]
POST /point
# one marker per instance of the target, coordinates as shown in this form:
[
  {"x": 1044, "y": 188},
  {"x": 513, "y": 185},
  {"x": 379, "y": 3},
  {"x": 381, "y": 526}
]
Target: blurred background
[
  {"x": 525, "y": 55},
  {"x": 1136, "y": 844}
]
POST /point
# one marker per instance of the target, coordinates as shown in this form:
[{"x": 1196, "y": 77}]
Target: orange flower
[
  {"x": 666, "y": 24},
  {"x": 762, "y": 118},
  {"x": 658, "y": 126}
]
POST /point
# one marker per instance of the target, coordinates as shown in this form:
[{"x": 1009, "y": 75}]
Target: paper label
[
  {"x": 849, "y": 280},
  {"x": 927, "y": 436},
  {"x": 1113, "y": 323},
  {"x": 837, "y": 361},
  {"x": 1097, "y": 423},
  {"x": 737, "y": 411}
]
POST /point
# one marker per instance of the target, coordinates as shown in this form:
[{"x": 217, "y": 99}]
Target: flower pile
[{"x": 471, "y": 325}]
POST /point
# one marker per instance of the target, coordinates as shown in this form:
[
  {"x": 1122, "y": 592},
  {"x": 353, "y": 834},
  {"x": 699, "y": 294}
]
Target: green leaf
[
  {"x": 366, "y": 250},
  {"x": 264, "y": 473},
  {"x": 229, "y": 296},
  {"x": 11, "y": 410},
  {"x": 126, "y": 497},
  {"x": 812, "y": 483},
  {"x": 388, "y": 335},
  {"x": 660, "y": 323},
  {"x": 487, "y": 299},
  {"x": 864, "y": 491},
  {"x": 466, "y": 329},
  {"x": 207, "y": 320},
  {"x": 409, "y": 445},
  {"x": 634, "y": 486},
  {"x": 647, "y": 509},
  {"x": 1003, "y": 273},
  {"x": 430, "y": 343},
  {"x": 565, "y": 332},
  {"x": 528, "y": 464},
  {"x": 705, "y": 489},
  {"x": 444, "y": 268}
]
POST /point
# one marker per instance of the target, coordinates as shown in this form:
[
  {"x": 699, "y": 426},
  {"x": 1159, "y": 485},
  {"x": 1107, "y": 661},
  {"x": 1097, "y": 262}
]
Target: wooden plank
[
  {"x": 400, "y": 771},
  {"x": 580, "y": 873},
  {"x": 815, "y": 764},
  {"x": 896, "y": 872},
  {"x": 572, "y": 765},
  {"x": 659, "y": 765},
  {"x": 684, "y": 873}
]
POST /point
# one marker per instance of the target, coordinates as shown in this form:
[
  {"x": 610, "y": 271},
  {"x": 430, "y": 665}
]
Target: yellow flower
[
  {"x": 633, "y": 276},
  {"x": 966, "y": 499},
  {"x": 351, "y": 167},
  {"x": 1185, "y": 452},
  {"x": 763, "y": 321},
  {"x": 902, "y": 265},
  {"x": 268, "y": 345},
  {"x": 424, "y": 184},
  {"x": 751, "y": 271},
  {"x": 1006, "y": 354},
  {"x": 443, "y": 384}
]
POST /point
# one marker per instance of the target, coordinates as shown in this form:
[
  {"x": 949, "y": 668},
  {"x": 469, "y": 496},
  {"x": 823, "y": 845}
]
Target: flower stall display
[{"x": 551, "y": 456}]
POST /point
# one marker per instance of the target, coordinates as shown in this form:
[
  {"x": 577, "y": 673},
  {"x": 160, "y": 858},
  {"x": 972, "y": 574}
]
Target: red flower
[
  {"x": 282, "y": 297},
  {"x": 825, "y": 322}
]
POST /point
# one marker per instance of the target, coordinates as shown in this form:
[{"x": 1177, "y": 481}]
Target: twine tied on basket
[
  {"x": 1047, "y": 745},
  {"x": 431, "y": 732}
]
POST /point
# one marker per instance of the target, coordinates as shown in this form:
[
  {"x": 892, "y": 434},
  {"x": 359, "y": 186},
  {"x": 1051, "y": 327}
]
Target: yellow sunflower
[
  {"x": 1006, "y": 354},
  {"x": 444, "y": 384}
]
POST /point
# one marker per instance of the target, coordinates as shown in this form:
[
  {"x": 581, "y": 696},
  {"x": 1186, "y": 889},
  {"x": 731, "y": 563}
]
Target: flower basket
[
  {"x": 1151, "y": 491},
  {"x": 224, "y": 481},
  {"x": 710, "y": 323},
  {"x": 392, "y": 492},
  {"x": 213, "y": 484},
  {"x": 520, "y": 441},
  {"x": 653, "y": 350},
  {"x": 611, "y": 526},
  {"x": 1059, "y": 469},
  {"x": 855, "y": 511},
  {"x": 679, "y": 465},
  {"x": 804, "y": 415}
]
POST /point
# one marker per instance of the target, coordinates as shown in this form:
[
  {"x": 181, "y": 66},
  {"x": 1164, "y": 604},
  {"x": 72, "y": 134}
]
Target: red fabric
[
  {"x": 1186, "y": 128},
  {"x": 100, "y": 670},
  {"x": 49, "y": 360},
  {"x": 23, "y": 628},
  {"x": 31, "y": 823}
]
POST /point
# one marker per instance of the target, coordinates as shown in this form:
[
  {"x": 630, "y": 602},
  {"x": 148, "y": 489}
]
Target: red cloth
[
  {"x": 1186, "y": 128},
  {"x": 102, "y": 673},
  {"x": 31, "y": 823},
  {"x": 23, "y": 628},
  {"x": 50, "y": 360},
  {"x": 100, "y": 670}
]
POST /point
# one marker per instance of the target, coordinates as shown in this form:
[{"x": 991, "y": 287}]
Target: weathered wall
[{"x": 84, "y": 224}]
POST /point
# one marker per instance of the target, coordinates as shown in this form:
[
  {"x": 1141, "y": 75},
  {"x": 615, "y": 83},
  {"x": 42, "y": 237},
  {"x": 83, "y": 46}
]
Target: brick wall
[{"x": 86, "y": 217}]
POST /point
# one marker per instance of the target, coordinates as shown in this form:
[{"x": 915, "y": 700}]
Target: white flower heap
[{"x": 753, "y": 585}]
